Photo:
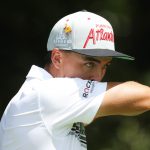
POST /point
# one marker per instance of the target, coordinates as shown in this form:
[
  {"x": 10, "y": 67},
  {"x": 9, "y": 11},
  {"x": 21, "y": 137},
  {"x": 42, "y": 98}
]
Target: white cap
[{"x": 85, "y": 33}]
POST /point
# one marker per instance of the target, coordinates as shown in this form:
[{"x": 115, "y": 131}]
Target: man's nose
[{"x": 98, "y": 75}]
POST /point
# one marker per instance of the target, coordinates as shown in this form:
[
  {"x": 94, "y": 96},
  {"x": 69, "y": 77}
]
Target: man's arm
[{"x": 128, "y": 98}]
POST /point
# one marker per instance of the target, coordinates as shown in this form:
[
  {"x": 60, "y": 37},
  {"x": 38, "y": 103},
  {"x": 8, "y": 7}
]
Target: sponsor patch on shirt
[
  {"x": 89, "y": 86},
  {"x": 78, "y": 130}
]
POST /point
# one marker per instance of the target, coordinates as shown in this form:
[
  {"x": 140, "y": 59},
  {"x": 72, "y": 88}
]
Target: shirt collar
[{"x": 39, "y": 73}]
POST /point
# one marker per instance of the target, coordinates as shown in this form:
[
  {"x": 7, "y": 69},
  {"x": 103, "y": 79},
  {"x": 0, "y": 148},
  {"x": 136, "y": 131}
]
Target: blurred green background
[{"x": 24, "y": 30}]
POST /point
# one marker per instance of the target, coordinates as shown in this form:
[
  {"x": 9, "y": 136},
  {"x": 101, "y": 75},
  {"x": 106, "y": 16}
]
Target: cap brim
[{"x": 104, "y": 53}]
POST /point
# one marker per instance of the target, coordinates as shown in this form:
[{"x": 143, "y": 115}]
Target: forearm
[
  {"x": 138, "y": 98},
  {"x": 128, "y": 98}
]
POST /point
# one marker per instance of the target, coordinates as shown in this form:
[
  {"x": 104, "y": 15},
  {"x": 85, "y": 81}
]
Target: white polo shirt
[{"x": 48, "y": 113}]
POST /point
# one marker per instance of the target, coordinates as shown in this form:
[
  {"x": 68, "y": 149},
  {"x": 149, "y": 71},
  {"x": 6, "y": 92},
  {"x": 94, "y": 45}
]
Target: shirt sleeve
[{"x": 67, "y": 100}]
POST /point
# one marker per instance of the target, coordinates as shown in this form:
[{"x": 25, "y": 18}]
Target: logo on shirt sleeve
[{"x": 88, "y": 88}]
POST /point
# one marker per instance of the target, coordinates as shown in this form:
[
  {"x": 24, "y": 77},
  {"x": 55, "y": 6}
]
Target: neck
[{"x": 51, "y": 70}]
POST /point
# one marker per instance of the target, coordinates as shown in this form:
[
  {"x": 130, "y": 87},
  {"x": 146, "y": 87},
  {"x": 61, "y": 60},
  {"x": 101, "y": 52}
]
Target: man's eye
[{"x": 90, "y": 64}]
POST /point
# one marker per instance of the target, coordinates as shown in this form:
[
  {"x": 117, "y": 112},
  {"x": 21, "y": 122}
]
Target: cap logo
[
  {"x": 67, "y": 29},
  {"x": 63, "y": 39},
  {"x": 98, "y": 35}
]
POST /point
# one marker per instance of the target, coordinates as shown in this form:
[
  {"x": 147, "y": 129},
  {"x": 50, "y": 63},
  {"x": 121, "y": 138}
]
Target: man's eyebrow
[{"x": 88, "y": 58}]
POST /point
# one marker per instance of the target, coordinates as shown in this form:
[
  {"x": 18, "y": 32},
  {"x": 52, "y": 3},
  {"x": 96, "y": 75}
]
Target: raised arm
[{"x": 128, "y": 98}]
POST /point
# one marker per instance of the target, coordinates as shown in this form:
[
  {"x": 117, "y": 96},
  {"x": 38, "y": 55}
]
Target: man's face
[{"x": 82, "y": 66}]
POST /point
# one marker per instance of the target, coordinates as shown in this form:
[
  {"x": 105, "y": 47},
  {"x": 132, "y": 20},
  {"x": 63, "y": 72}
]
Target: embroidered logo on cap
[
  {"x": 67, "y": 28},
  {"x": 100, "y": 33},
  {"x": 61, "y": 40}
]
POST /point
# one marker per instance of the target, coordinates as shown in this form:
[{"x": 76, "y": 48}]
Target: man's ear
[{"x": 56, "y": 58}]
